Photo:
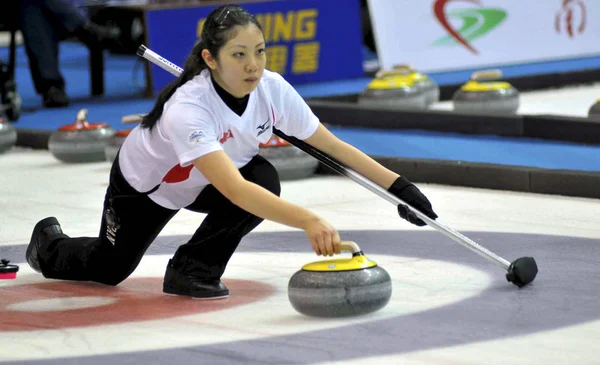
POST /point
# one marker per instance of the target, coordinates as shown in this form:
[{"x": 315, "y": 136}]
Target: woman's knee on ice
[
  {"x": 113, "y": 275},
  {"x": 113, "y": 264}
]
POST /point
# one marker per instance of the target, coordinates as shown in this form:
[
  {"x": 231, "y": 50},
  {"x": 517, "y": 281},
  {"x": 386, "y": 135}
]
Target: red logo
[
  {"x": 226, "y": 136},
  {"x": 567, "y": 14},
  {"x": 438, "y": 9},
  {"x": 178, "y": 174}
]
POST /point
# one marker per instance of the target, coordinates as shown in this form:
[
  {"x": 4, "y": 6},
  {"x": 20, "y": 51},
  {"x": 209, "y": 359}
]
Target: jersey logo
[
  {"x": 263, "y": 127},
  {"x": 226, "y": 136},
  {"x": 178, "y": 174},
  {"x": 196, "y": 137}
]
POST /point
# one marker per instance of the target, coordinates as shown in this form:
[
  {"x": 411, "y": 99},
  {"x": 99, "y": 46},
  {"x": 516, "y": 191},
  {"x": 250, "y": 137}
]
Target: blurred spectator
[{"x": 44, "y": 23}]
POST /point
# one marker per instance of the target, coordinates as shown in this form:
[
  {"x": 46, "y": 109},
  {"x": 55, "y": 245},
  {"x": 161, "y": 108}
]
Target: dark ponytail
[
  {"x": 194, "y": 65},
  {"x": 217, "y": 31}
]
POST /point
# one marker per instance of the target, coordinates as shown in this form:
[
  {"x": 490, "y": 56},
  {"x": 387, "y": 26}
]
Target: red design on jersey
[
  {"x": 226, "y": 136},
  {"x": 178, "y": 174}
]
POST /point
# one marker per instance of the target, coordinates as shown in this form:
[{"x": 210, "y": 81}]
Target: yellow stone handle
[
  {"x": 403, "y": 68},
  {"x": 349, "y": 246},
  {"x": 397, "y": 70},
  {"x": 486, "y": 74}
]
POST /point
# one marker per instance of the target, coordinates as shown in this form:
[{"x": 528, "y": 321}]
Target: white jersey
[{"x": 195, "y": 122}]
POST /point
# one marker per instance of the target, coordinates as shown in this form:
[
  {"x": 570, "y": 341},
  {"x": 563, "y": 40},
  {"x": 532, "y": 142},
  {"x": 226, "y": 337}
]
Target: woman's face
[{"x": 241, "y": 61}]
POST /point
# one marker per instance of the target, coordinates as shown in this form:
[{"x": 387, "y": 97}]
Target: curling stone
[
  {"x": 340, "y": 287},
  {"x": 113, "y": 145},
  {"x": 594, "y": 112},
  {"x": 81, "y": 141},
  {"x": 486, "y": 97},
  {"x": 393, "y": 89},
  {"x": 8, "y": 135},
  {"x": 421, "y": 81},
  {"x": 9, "y": 96},
  {"x": 8, "y": 271},
  {"x": 290, "y": 162}
]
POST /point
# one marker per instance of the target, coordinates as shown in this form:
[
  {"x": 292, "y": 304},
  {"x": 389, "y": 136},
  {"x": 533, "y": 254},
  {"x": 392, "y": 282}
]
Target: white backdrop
[{"x": 493, "y": 32}]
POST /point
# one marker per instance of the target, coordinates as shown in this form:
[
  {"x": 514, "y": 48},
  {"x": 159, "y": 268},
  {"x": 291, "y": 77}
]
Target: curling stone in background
[
  {"x": 393, "y": 89},
  {"x": 8, "y": 271},
  {"x": 290, "y": 162},
  {"x": 81, "y": 141},
  {"x": 113, "y": 145},
  {"x": 490, "y": 97},
  {"x": 594, "y": 112},
  {"x": 340, "y": 287},
  {"x": 421, "y": 81},
  {"x": 8, "y": 135},
  {"x": 9, "y": 96}
]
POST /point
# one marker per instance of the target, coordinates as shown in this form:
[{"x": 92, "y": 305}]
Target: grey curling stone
[
  {"x": 81, "y": 141},
  {"x": 594, "y": 112},
  {"x": 290, "y": 162},
  {"x": 404, "y": 98},
  {"x": 8, "y": 135},
  {"x": 492, "y": 101},
  {"x": 430, "y": 89},
  {"x": 114, "y": 144},
  {"x": 340, "y": 293}
]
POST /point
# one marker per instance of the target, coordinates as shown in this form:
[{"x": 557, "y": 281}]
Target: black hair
[{"x": 217, "y": 31}]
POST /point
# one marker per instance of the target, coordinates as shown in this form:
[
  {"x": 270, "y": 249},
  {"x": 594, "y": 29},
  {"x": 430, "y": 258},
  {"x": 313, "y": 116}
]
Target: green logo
[{"x": 475, "y": 24}]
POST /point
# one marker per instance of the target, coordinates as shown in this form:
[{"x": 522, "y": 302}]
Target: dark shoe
[
  {"x": 98, "y": 36},
  {"x": 181, "y": 284},
  {"x": 55, "y": 97},
  {"x": 41, "y": 232}
]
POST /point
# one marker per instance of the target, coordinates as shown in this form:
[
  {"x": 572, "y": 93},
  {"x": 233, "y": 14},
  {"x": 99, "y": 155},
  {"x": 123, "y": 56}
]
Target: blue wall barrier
[{"x": 307, "y": 40}]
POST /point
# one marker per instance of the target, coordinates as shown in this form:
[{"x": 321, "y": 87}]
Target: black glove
[{"x": 410, "y": 194}]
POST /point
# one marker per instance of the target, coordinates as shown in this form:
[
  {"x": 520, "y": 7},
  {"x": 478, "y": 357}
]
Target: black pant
[
  {"x": 44, "y": 23},
  {"x": 204, "y": 256}
]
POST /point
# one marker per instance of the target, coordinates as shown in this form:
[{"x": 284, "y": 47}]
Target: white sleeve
[
  {"x": 191, "y": 130},
  {"x": 296, "y": 119}
]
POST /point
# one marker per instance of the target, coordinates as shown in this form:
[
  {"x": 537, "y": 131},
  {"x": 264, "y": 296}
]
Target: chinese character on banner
[
  {"x": 277, "y": 59},
  {"x": 306, "y": 57}
]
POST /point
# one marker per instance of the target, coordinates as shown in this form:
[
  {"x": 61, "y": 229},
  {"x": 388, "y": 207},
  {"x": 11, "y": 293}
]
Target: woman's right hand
[{"x": 324, "y": 239}]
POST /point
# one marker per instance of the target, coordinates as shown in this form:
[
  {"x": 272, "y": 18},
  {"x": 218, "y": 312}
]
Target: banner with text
[
  {"x": 446, "y": 35},
  {"x": 307, "y": 40}
]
